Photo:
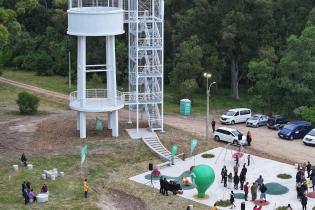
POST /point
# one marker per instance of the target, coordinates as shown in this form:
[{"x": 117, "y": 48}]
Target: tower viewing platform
[{"x": 95, "y": 17}]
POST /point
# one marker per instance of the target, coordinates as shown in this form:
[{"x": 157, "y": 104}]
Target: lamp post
[{"x": 208, "y": 87}]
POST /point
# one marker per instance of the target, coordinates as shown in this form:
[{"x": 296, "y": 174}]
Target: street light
[{"x": 208, "y": 87}]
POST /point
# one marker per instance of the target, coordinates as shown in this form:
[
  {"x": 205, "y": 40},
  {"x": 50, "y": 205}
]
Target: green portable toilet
[
  {"x": 99, "y": 124},
  {"x": 185, "y": 107}
]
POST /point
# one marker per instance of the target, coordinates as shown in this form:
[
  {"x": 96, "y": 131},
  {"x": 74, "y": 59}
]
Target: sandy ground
[{"x": 264, "y": 139}]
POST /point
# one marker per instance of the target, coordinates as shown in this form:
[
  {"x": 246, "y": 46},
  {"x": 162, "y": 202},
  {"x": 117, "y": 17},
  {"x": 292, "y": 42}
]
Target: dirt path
[
  {"x": 35, "y": 89},
  {"x": 264, "y": 140}
]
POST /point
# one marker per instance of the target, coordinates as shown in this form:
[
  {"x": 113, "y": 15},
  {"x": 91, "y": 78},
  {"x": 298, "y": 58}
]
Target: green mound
[
  {"x": 284, "y": 176},
  {"x": 239, "y": 195},
  {"x": 207, "y": 155},
  {"x": 274, "y": 188}
]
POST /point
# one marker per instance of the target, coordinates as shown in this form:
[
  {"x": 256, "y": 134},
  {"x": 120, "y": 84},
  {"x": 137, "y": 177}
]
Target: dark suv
[{"x": 276, "y": 122}]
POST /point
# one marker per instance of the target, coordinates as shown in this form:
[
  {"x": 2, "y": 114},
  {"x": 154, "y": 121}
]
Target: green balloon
[{"x": 203, "y": 177}]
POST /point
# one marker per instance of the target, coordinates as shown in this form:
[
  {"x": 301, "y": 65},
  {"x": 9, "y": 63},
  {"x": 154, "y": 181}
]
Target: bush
[
  {"x": 207, "y": 155},
  {"x": 223, "y": 203},
  {"x": 284, "y": 176},
  {"x": 282, "y": 208},
  {"x": 28, "y": 103}
]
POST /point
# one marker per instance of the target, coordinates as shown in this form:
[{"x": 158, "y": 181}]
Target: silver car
[{"x": 257, "y": 120}]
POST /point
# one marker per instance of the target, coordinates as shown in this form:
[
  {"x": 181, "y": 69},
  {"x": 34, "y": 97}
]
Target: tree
[
  {"x": 28, "y": 103},
  {"x": 262, "y": 73},
  {"x": 245, "y": 27},
  {"x": 188, "y": 62}
]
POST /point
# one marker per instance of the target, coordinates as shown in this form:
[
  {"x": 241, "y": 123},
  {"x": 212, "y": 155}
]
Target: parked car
[
  {"x": 309, "y": 139},
  {"x": 233, "y": 116},
  {"x": 295, "y": 130},
  {"x": 257, "y": 120},
  {"x": 276, "y": 122},
  {"x": 229, "y": 135}
]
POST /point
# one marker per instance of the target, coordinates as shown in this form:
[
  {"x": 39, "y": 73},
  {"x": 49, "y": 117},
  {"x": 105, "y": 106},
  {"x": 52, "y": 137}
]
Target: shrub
[
  {"x": 207, "y": 155},
  {"x": 284, "y": 176},
  {"x": 282, "y": 208},
  {"x": 223, "y": 203},
  {"x": 28, "y": 103}
]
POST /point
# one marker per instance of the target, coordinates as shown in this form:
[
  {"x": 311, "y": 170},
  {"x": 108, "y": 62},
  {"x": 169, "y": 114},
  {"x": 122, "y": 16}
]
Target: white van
[
  {"x": 233, "y": 116},
  {"x": 229, "y": 135}
]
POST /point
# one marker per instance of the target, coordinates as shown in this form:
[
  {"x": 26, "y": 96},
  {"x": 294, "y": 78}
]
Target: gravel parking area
[{"x": 264, "y": 140}]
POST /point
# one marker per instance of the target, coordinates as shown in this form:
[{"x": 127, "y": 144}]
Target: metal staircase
[
  {"x": 154, "y": 143},
  {"x": 146, "y": 24}
]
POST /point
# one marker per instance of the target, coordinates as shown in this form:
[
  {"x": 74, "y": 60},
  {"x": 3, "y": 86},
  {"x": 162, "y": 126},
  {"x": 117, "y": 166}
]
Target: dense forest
[{"x": 267, "y": 46}]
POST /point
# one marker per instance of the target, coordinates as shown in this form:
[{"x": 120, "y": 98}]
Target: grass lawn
[
  {"x": 219, "y": 101},
  {"x": 110, "y": 163},
  {"x": 54, "y": 83},
  {"x": 9, "y": 108}
]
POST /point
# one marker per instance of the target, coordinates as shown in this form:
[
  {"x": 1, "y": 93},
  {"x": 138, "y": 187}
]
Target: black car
[{"x": 276, "y": 122}]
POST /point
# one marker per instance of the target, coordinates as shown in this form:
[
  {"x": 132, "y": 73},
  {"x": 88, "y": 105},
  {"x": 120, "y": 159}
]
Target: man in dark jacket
[
  {"x": 165, "y": 186},
  {"x": 304, "y": 202},
  {"x": 236, "y": 181},
  {"x": 161, "y": 184},
  {"x": 263, "y": 190},
  {"x": 242, "y": 180},
  {"x": 213, "y": 125}
]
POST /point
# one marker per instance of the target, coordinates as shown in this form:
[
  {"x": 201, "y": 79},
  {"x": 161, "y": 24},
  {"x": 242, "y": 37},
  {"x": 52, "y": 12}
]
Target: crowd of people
[
  {"x": 305, "y": 178},
  {"x": 28, "y": 193},
  {"x": 239, "y": 181}
]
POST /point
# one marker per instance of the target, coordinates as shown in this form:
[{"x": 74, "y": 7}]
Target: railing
[
  {"x": 150, "y": 42},
  {"x": 150, "y": 70},
  {"x": 130, "y": 97},
  {"x": 95, "y": 3},
  {"x": 96, "y": 94}
]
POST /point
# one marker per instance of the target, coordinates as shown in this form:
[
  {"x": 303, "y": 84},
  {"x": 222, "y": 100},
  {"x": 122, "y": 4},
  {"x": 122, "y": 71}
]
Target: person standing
[
  {"x": 260, "y": 181},
  {"x": 236, "y": 181},
  {"x": 235, "y": 169},
  {"x": 313, "y": 182},
  {"x": 223, "y": 171},
  {"x": 253, "y": 191},
  {"x": 230, "y": 180},
  {"x": 246, "y": 189},
  {"x": 248, "y": 160},
  {"x": 237, "y": 160},
  {"x": 308, "y": 169},
  {"x": 249, "y": 138},
  {"x": 86, "y": 188},
  {"x": 304, "y": 202},
  {"x": 161, "y": 184},
  {"x": 165, "y": 186},
  {"x": 232, "y": 200},
  {"x": 242, "y": 180},
  {"x": 225, "y": 178},
  {"x": 213, "y": 125},
  {"x": 263, "y": 190},
  {"x": 244, "y": 170}
]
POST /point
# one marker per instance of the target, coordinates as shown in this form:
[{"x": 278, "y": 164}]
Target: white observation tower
[
  {"x": 89, "y": 18},
  {"x": 105, "y": 18}
]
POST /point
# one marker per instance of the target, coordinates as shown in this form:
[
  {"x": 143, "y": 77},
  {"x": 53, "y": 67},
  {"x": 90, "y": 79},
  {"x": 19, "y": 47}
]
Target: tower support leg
[
  {"x": 78, "y": 121},
  {"x": 114, "y": 121},
  {"x": 82, "y": 125}
]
